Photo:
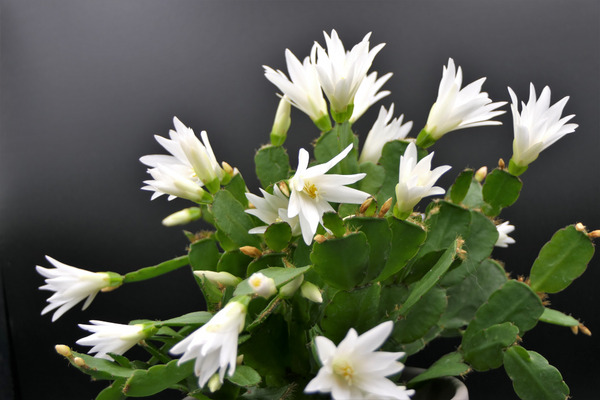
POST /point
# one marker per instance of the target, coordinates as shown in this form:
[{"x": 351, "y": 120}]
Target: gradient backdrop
[{"x": 86, "y": 85}]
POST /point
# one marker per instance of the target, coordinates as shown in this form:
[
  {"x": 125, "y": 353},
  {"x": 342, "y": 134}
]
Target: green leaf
[
  {"x": 561, "y": 260},
  {"x": 514, "y": 302},
  {"x": 469, "y": 293},
  {"x": 449, "y": 365},
  {"x": 144, "y": 383},
  {"x": 156, "y": 270},
  {"x": 421, "y": 317},
  {"x": 232, "y": 221},
  {"x": 278, "y": 236},
  {"x": 281, "y": 393},
  {"x": 406, "y": 240},
  {"x": 374, "y": 179},
  {"x": 533, "y": 377},
  {"x": 357, "y": 309},
  {"x": 461, "y": 186},
  {"x": 204, "y": 255},
  {"x": 237, "y": 187},
  {"x": 484, "y": 349},
  {"x": 193, "y": 318},
  {"x": 245, "y": 376},
  {"x": 481, "y": 237},
  {"x": 272, "y": 165},
  {"x": 445, "y": 223},
  {"x": 500, "y": 190},
  {"x": 266, "y": 261},
  {"x": 99, "y": 368},
  {"x": 235, "y": 262},
  {"x": 555, "y": 317},
  {"x": 332, "y": 143},
  {"x": 113, "y": 392},
  {"x": 430, "y": 279},
  {"x": 379, "y": 237},
  {"x": 333, "y": 222},
  {"x": 419, "y": 344},
  {"x": 342, "y": 263},
  {"x": 474, "y": 197},
  {"x": 281, "y": 276}
]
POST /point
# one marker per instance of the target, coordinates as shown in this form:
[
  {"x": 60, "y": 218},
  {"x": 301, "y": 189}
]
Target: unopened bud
[
  {"x": 227, "y": 168},
  {"x": 284, "y": 188},
  {"x": 585, "y": 330},
  {"x": 365, "y": 205},
  {"x": 239, "y": 359},
  {"x": 183, "y": 217},
  {"x": 251, "y": 251},
  {"x": 214, "y": 383},
  {"x": 580, "y": 227},
  {"x": 80, "y": 362},
  {"x": 311, "y": 292},
  {"x": 575, "y": 330},
  {"x": 385, "y": 208},
  {"x": 63, "y": 350},
  {"x": 481, "y": 174},
  {"x": 594, "y": 234},
  {"x": 219, "y": 278},
  {"x": 501, "y": 164},
  {"x": 282, "y": 122},
  {"x": 262, "y": 285},
  {"x": 290, "y": 288},
  {"x": 319, "y": 238}
]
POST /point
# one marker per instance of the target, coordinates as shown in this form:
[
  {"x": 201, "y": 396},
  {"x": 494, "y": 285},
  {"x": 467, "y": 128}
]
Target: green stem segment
[
  {"x": 342, "y": 116},
  {"x": 157, "y": 270},
  {"x": 424, "y": 139},
  {"x": 516, "y": 169}
]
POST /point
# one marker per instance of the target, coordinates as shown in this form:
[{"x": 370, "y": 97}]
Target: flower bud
[
  {"x": 594, "y": 234},
  {"x": 214, "y": 383},
  {"x": 262, "y": 285},
  {"x": 481, "y": 174},
  {"x": 311, "y": 292},
  {"x": 80, "y": 362},
  {"x": 580, "y": 227},
  {"x": 183, "y": 217},
  {"x": 251, "y": 251},
  {"x": 63, "y": 350},
  {"x": 284, "y": 188},
  {"x": 365, "y": 205},
  {"x": 290, "y": 288},
  {"x": 282, "y": 122},
  {"x": 501, "y": 164},
  {"x": 219, "y": 278},
  {"x": 319, "y": 238},
  {"x": 385, "y": 208}
]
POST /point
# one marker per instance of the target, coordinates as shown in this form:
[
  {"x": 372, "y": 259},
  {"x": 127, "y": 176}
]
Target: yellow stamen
[
  {"x": 311, "y": 190},
  {"x": 344, "y": 370}
]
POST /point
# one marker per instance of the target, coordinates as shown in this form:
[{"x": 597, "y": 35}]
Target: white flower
[
  {"x": 367, "y": 94},
  {"x": 191, "y": 165},
  {"x": 109, "y": 337},
  {"x": 271, "y": 208},
  {"x": 457, "y": 108},
  {"x": 503, "y": 230},
  {"x": 71, "y": 285},
  {"x": 312, "y": 190},
  {"x": 303, "y": 90},
  {"x": 214, "y": 345},
  {"x": 354, "y": 370},
  {"x": 538, "y": 125},
  {"x": 384, "y": 129},
  {"x": 219, "y": 278},
  {"x": 341, "y": 72},
  {"x": 262, "y": 285},
  {"x": 183, "y": 217},
  {"x": 416, "y": 180}
]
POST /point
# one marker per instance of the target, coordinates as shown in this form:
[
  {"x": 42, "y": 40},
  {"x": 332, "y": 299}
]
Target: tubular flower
[
  {"x": 109, "y": 337},
  {"x": 385, "y": 129},
  {"x": 303, "y": 91},
  {"x": 538, "y": 126},
  {"x": 71, "y": 285},
  {"x": 341, "y": 72},
  {"x": 457, "y": 108},
  {"x": 367, "y": 94},
  {"x": 262, "y": 285},
  {"x": 415, "y": 181},
  {"x": 354, "y": 370},
  {"x": 271, "y": 208},
  {"x": 503, "y": 230},
  {"x": 191, "y": 166},
  {"x": 312, "y": 190},
  {"x": 214, "y": 345}
]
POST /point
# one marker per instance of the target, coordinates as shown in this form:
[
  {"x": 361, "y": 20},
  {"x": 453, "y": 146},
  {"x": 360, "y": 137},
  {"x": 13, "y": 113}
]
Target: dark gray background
[{"x": 86, "y": 84}]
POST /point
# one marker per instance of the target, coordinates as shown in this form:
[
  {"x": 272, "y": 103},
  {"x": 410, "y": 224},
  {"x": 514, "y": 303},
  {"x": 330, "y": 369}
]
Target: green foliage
[
  {"x": 232, "y": 222},
  {"x": 449, "y": 365},
  {"x": 461, "y": 186},
  {"x": 374, "y": 179},
  {"x": 422, "y": 316},
  {"x": 555, "y": 317},
  {"x": 378, "y": 235},
  {"x": 533, "y": 377},
  {"x": 272, "y": 165},
  {"x": 500, "y": 190},
  {"x": 99, "y": 368},
  {"x": 332, "y": 143},
  {"x": 278, "y": 235},
  {"x": 334, "y": 223},
  {"x": 235, "y": 262},
  {"x": 561, "y": 260},
  {"x": 143, "y": 383},
  {"x": 245, "y": 376},
  {"x": 204, "y": 255},
  {"x": 484, "y": 349},
  {"x": 405, "y": 242}
]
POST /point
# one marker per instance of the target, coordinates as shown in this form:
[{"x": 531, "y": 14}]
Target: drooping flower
[
  {"x": 303, "y": 90},
  {"x": 214, "y": 345},
  {"x": 191, "y": 166},
  {"x": 262, "y": 285},
  {"x": 114, "y": 338},
  {"x": 312, "y": 190},
  {"x": 341, "y": 72},
  {"x": 415, "y": 181},
  {"x": 271, "y": 208},
  {"x": 457, "y": 108},
  {"x": 354, "y": 370},
  {"x": 538, "y": 126},
  {"x": 384, "y": 129},
  {"x": 503, "y": 230},
  {"x": 367, "y": 94},
  {"x": 71, "y": 285}
]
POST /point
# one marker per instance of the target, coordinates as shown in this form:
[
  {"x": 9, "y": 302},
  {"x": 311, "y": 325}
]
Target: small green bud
[
  {"x": 214, "y": 383},
  {"x": 219, "y": 278},
  {"x": 183, "y": 217},
  {"x": 282, "y": 122},
  {"x": 311, "y": 292},
  {"x": 290, "y": 288},
  {"x": 63, "y": 350},
  {"x": 481, "y": 174}
]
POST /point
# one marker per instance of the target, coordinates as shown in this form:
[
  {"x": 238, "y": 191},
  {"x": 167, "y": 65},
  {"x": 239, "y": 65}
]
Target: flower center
[
  {"x": 344, "y": 370},
  {"x": 311, "y": 190}
]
